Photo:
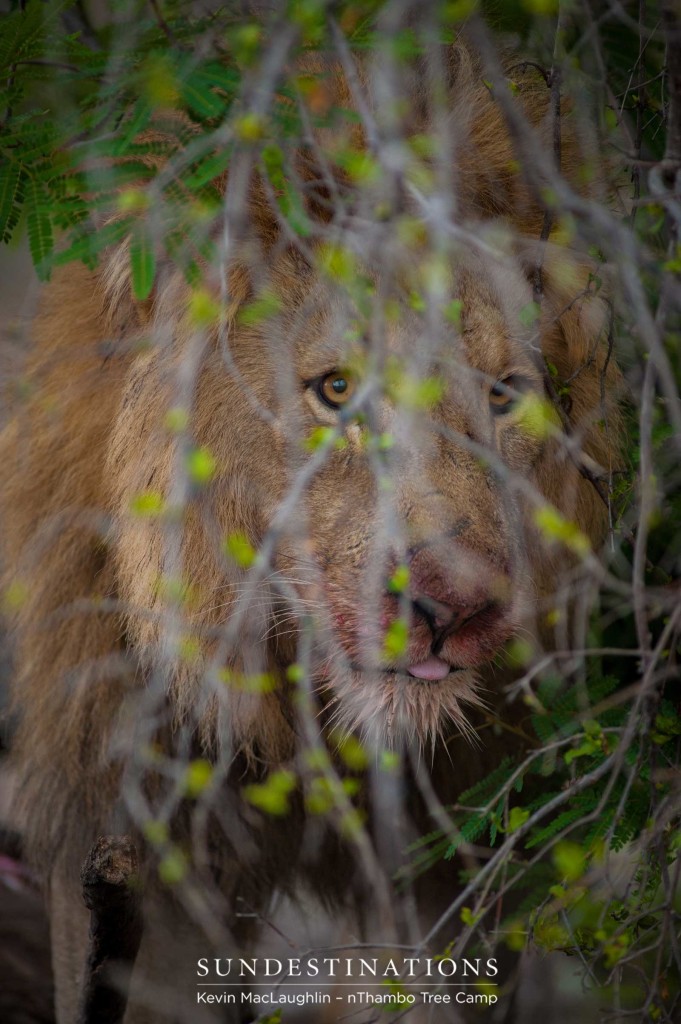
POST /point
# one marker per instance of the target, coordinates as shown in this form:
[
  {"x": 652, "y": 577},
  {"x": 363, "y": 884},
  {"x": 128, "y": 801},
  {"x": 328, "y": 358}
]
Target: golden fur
[{"x": 98, "y": 619}]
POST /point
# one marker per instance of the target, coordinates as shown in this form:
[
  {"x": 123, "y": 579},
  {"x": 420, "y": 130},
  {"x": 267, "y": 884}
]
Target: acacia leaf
[
  {"x": 39, "y": 227},
  {"x": 142, "y": 261},
  {"x": 11, "y": 196}
]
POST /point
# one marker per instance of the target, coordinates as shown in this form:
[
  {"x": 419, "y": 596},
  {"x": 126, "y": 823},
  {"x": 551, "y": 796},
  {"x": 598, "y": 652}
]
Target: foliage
[
  {"x": 607, "y": 787},
  {"x": 110, "y": 138}
]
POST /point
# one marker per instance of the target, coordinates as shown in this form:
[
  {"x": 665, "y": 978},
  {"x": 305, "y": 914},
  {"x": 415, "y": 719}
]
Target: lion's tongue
[{"x": 431, "y": 669}]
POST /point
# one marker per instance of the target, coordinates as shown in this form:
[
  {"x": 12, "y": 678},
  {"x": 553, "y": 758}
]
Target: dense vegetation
[{"x": 584, "y": 830}]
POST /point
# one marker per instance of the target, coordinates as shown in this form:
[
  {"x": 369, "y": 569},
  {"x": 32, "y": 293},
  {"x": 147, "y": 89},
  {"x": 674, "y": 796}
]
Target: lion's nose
[
  {"x": 436, "y": 614},
  {"x": 452, "y": 600},
  {"x": 437, "y": 598},
  {"x": 445, "y": 621}
]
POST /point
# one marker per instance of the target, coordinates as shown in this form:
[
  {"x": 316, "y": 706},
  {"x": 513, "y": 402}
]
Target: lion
[{"x": 236, "y": 538}]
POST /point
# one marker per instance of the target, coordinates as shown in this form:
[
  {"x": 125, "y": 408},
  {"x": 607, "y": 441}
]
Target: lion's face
[
  {"x": 416, "y": 529},
  {"x": 395, "y": 539},
  {"x": 381, "y": 454},
  {"x": 385, "y": 461}
]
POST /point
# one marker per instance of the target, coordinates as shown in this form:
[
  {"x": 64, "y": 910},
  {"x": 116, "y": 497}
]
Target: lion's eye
[
  {"x": 503, "y": 395},
  {"x": 335, "y": 389}
]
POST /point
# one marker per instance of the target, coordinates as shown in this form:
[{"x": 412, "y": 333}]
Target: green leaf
[
  {"x": 24, "y": 30},
  {"x": 156, "y": 832},
  {"x": 396, "y": 639},
  {"x": 288, "y": 199},
  {"x": 295, "y": 674},
  {"x": 208, "y": 169},
  {"x": 468, "y": 917},
  {"x": 471, "y": 830},
  {"x": 239, "y": 549},
  {"x": 147, "y": 504},
  {"x": 272, "y": 796},
  {"x": 517, "y": 818},
  {"x": 201, "y": 465},
  {"x": 399, "y": 581},
  {"x": 253, "y": 682},
  {"x": 197, "y": 777},
  {"x": 87, "y": 246},
  {"x": 198, "y": 90},
  {"x": 353, "y": 753},
  {"x": 556, "y": 528},
  {"x": 585, "y": 749},
  {"x": 173, "y": 866},
  {"x": 201, "y": 100},
  {"x": 484, "y": 790},
  {"x": 39, "y": 227},
  {"x": 570, "y": 860},
  {"x": 320, "y": 437},
  {"x": 11, "y": 197},
  {"x": 265, "y": 306},
  {"x": 133, "y": 125},
  {"x": 559, "y": 822},
  {"x": 529, "y": 314},
  {"x": 142, "y": 261}
]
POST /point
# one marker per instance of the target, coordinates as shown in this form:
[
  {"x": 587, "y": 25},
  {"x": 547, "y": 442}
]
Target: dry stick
[
  {"x": 109, "y": 879},
  {"x": 640, "y": 110},
  {"x": 553, "y": 81},
  {"x": 671, "y": 20},
  {"x": 163, "y": 24},
  {"x": 665, "y": 180}
]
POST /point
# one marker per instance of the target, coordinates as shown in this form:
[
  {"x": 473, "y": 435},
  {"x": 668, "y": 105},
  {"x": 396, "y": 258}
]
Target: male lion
[{"x": 374, "y": 412}]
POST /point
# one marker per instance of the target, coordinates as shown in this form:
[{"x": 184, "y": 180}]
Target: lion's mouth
[
  {"x": 435, "y": 660},
  {"x": 431, "y": 670}
]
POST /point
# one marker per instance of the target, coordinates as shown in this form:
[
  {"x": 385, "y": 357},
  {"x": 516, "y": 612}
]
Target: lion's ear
[
  {"x": 577, "y": 337},
  {"x": 124, "y": 314},
  {"x": 576, "y": 313},
  {"x": 171, "y": 295}
]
